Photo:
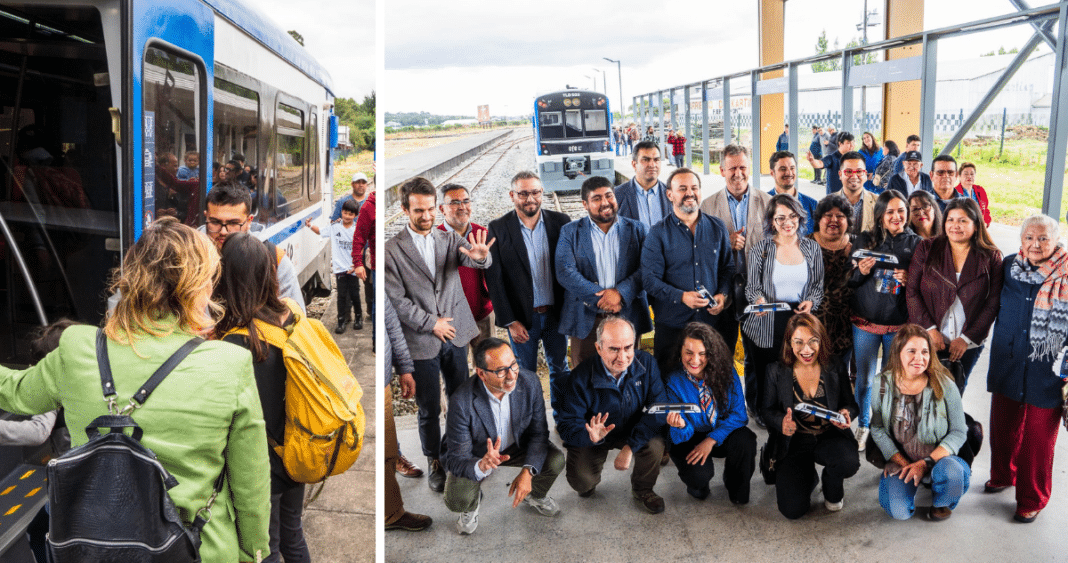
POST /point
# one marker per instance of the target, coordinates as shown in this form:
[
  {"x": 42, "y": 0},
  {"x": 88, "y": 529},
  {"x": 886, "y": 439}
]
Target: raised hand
[
  {"x": 493, "y": 456},
  {"x": 738, "y": 239},
  {"x": 788, "y": 424},
  {"x": 597, "y": 429},
  {"x": 479, "y": 248}
]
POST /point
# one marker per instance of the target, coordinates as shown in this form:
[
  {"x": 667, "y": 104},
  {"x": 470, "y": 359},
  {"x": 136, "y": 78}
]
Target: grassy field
[{"x": 344, "y": 169}]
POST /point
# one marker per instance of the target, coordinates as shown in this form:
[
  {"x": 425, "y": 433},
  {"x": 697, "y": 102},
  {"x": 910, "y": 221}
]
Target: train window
[
  {"x": 235, "y": 130},
  {"x": 59, "y": 186},
  {"x": 171, "y": 107},
  {"x": 313, "y": 164},
  {"x": 573, "y": 120},
  {"x": 596, "y": 122},
  {"x": 551, "y": 125},
  {"x": 289, "y": 162},
  {"x": 551, "y": 118}
]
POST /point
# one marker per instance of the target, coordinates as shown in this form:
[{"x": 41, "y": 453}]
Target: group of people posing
[{"x": 815, "y": 288}]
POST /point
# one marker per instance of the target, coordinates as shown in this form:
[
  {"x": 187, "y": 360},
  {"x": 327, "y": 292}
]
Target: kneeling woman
[
  {"x": 918, "y": 423},
  {"x": 703, "y": 376},
  {"x": 807, "y": 373}
]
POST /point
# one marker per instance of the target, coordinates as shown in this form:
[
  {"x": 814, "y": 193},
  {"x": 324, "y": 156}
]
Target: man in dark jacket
[{"x": 603, "y": 409}]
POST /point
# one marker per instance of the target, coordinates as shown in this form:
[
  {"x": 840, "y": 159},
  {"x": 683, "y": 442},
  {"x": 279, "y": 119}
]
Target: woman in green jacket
[{"x": 203, "y": 418}]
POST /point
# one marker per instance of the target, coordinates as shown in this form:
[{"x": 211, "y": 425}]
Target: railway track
[{"x": 570, "y": 203}]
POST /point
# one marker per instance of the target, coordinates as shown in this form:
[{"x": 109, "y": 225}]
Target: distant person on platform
[
  {"x": 816, "y": 147},
  {"x": 678, "y": 147},
  {"x": 643, "y": 197},
  {"x": 358, "y": 194},
  {"x": 912, "y": 177},
  {"x": 498, "y": 420},
  {"x": 598, "y": 261},
  {"x": 456, "y": 207},
  {"x": 603, "y": 410},
  {"x": 783, "y": 144},
  {"x": 832, "y": 162},
  {"x": 784, "y": 172}
]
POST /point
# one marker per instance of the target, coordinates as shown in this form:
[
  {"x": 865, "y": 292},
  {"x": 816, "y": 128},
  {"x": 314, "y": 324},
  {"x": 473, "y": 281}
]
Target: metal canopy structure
[{"x": 924, "y": 68}]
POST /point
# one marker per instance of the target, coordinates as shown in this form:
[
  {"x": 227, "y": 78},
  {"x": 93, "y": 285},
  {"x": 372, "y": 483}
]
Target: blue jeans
[
  {"x": 866, "y": 348},
  {"x": 544, "y": 329},
  {"x": 949, "y": 481}
]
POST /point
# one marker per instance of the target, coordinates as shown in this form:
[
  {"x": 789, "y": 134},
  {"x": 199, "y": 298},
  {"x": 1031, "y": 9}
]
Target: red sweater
[
  {"x": 473, "y": 280},
  {"x": 980, "y": 198},
  {"x": 365, "y": 234},
  {"x": 678, "y": 144}
]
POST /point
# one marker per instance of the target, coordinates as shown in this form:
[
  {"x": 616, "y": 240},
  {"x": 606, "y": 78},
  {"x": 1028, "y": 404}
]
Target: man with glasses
[
  {"x": 833, "y": 162},
  {"x": 229, "y": 210},
  {"x": 944, "y": 180},
  {"x": 643, "y": 197},
  {"x": 852, "y": 174},
  {"x": 498, "y": 419},
  {"x": 456, "y": 208},
  {"x": 527, "y": 297},
  {"x": 423, "y": 283},
  {"x": 912, "y": 177},
  {"x": 603, "y": 409}
]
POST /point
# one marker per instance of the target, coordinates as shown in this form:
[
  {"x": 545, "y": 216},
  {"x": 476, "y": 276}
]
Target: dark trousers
[
  {"x": 451, "y": 364},
  {"x": 584, "y": 465},
  {"x": 461, "y": 493},
  {"x": 287, "y": 533},
  {"x": 348, "y": 297},
  {"x": 795, "y": 475},
  {"x": 739, "y": 449}
]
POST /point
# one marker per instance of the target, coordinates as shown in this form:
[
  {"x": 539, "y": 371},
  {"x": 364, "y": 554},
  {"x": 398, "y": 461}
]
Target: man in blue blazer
[
  {"x": 643, "y": 197},
  {"x": 598, "y": 261},
  {"x": 498, "y": 419}
]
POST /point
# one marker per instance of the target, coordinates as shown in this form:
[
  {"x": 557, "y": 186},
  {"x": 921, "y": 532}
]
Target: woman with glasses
[
  {"x": 702, "y": 376},
  {"x": 925, "y": 216},
  {"x": 879, "y": 306},
  {"x": 782, "y": 268},
  {"x": 807, "y": 373}
]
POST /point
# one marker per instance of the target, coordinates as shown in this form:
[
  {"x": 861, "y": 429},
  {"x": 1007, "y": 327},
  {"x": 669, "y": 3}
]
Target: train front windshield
[
  {"x": 58, "y": 185},
  {"x": 573, "y": 124}
]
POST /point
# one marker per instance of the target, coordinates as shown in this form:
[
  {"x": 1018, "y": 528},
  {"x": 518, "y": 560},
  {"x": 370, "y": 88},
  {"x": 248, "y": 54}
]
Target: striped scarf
[
  {"x": 707, "y": 404},
  {"x": 1049, "y": 318}
]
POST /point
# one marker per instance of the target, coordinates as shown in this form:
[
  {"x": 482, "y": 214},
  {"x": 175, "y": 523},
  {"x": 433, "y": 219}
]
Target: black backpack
[{"x": 108, "y": 497}]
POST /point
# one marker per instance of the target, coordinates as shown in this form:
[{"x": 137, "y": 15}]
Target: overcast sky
[
  {"x": 450, "y": 57},
  {"x": 340, "y": 34}
]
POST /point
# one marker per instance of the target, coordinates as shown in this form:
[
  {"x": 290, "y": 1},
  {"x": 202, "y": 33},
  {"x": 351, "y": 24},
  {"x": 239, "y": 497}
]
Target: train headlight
[{"x": 567, "y": 102}]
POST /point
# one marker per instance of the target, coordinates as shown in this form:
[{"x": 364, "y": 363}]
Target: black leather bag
[{"x": 108, "y": 497}]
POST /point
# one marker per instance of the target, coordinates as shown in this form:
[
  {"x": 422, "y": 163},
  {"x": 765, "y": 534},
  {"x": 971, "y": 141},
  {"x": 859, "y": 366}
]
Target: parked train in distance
[{"x": 572, "y": 138}]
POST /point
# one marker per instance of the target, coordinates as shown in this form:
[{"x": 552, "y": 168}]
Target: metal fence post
[{"x": 1004, "y": 117}]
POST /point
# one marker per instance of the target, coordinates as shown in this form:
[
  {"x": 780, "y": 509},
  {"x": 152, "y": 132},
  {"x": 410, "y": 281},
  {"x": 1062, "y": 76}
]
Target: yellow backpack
[{"x": 324, "y": 419}]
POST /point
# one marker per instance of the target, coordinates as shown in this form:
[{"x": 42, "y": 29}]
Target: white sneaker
[
  {"x": 546, "y": 506},
  {"x": 834, "y": 506},
  {"x": 862, "y": 437},
  {"x": 467, "y": 523}
]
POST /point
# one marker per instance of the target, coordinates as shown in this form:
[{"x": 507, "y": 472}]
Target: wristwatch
[{"x": 929, "y": 461}]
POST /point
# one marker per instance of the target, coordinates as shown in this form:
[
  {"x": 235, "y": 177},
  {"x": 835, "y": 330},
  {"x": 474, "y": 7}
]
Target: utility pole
[
  {"x": 863, "y": 27},
  {"x": 619, "y": 69}
]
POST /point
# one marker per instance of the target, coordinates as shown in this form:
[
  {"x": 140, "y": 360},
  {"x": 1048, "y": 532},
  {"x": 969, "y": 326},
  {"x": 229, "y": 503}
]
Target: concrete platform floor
[{"x": 611, "y": 526}]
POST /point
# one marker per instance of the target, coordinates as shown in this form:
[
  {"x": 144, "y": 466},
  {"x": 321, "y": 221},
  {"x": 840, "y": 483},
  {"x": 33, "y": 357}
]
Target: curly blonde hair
[{"x": 165, "y": 277}]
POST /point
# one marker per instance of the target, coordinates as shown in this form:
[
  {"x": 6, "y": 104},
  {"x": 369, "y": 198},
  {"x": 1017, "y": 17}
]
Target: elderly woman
[
  {"x": 955, "y": 285},
  {"x": 782, "y": 268},
  {"x": 1025, "y": 405},
  {"x": 879, "y": 307},
  {"x": 925, "y": 215},
  {"x": 205, "y": 416},
  {"x": 703, "y": 376},
  {"x": 918, "y": 424},
  {"x": 968, "y": 188},
  {"x": 833, "y": 222},
  {"x": 807, "y": 373}
]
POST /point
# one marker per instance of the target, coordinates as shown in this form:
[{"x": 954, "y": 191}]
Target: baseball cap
[
  {"x": 912, "y": 155},
  {"x": 359, "y": 176}
]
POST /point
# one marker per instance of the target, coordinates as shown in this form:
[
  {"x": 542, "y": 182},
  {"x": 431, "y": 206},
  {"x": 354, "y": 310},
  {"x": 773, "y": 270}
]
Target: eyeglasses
[
  {"x": 920, "y": 209},
  {"x": 835, "y": 217},
  {"x": 528, "y": 195},
  {"x": 458, "y": 202},
  {"x": 812, "y": 342},
  {"x": 851, "y": 172},
  {"x": 791, "y": 218},
  {"x": 214, "y": 225},
  {"x": 502, "y": 372}
]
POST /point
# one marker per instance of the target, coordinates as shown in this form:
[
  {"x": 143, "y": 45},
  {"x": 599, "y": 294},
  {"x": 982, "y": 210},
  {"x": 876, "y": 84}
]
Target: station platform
[{"x": 433, "y": 162}]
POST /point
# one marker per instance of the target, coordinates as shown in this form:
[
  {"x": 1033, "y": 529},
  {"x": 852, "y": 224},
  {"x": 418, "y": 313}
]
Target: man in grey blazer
[
  {"x": 498, "y": 419},
  {"x": 738, "y": 206},
  {"x": 423, "y": 282}
]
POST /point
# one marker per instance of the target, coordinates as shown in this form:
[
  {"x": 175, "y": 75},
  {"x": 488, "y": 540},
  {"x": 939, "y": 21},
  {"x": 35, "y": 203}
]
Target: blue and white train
[{"x": 573, "y": 138}]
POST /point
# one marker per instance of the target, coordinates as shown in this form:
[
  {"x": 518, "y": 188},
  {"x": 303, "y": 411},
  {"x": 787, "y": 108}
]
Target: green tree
[
  {"x": 297, "y": 36},
  {"x": 821, "y": 48},
  {"x": 861, "y": 59}
]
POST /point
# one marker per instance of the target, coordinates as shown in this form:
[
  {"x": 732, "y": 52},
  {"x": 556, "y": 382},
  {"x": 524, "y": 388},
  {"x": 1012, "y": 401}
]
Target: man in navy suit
[
  {"x": 498, "y": 419},
  {"x": 526, "y": 295},
  {"x": 598, "y": 261},
  {"x": 644, "y": 197}
]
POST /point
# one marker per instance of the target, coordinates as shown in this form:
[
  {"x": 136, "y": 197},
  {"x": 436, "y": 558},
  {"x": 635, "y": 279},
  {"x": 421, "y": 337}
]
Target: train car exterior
[
  {"x": 113, "y": 112},
  {"x": 572, "y": 138}
]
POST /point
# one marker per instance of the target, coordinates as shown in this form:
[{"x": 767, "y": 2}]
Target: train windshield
[
  {"x": 574, "y": 122},
  {"x": 58, "y": 184}
]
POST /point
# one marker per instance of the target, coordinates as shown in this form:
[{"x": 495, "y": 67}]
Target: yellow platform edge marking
[
  {"x": 33, "y": 492},
  {"x": 13, "y": 510},
  {"x": 27, "y": 474},
  {"x": 8, "y": 490}
]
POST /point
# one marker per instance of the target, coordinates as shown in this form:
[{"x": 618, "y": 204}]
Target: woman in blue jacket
[{"x": 703, "y": 376}]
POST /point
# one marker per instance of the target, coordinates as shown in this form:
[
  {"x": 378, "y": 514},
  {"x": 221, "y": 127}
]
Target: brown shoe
[
  {"x": 408, "y": 469},
  {"x": 411, "y": 522},
  {"x": 940, "y": 513},
  {"x": 650, "y": 501}
]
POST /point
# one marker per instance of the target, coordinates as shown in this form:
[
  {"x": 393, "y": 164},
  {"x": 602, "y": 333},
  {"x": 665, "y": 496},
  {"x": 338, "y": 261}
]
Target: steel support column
[
  {"x": 1053, "y": 188},
  {"x": 755, "y": 168},
  {"x": 660, "y": 124},
  {"x": 726, "y": 111},
  {"x": 689, "y": 128},
  {"x": 1046, "y": 32},
  {"x": 772, "y": 17},
  {"x": 792, "y": 101},
  {"x": 928, "y": 81},
  {"x": 847, "y": 95},
  {"x": 706, "y": 156}
]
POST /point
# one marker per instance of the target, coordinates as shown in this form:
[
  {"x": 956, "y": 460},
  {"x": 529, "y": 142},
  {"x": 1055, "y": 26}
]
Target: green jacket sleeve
[
  {"x": 247, "y": 470},
  {"x": 33, "y": 390}
]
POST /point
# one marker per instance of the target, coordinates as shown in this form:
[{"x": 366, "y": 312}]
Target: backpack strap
[{"x": 107, "y": 381}]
